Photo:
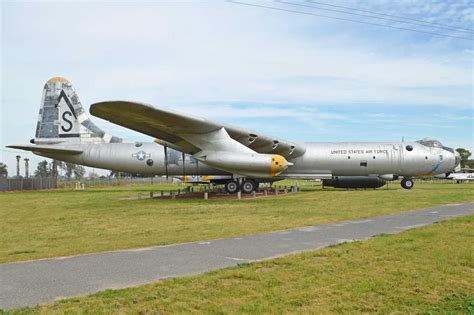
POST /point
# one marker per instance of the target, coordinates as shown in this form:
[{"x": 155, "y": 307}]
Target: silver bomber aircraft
[{"x": 238, "y": 158}]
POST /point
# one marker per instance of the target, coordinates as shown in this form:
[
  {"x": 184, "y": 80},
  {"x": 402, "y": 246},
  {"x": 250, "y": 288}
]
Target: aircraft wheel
[
  {"x": 248, "y": 186},
  {"x": 407, "y": 183},
  {"x": 231, "y": 186}
]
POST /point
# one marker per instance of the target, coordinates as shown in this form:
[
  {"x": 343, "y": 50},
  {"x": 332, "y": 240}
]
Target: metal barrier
[
  {"x": 32, "y": 183},
  {"x": 112, "y": 181}
]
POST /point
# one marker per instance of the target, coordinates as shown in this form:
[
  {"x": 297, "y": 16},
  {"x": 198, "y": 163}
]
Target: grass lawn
[
  {"x": 66, "y": 222},
  {"x": 424, "y": 270}
]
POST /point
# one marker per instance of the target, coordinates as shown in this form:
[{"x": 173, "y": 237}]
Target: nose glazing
[{"x": 457, "y": 159}]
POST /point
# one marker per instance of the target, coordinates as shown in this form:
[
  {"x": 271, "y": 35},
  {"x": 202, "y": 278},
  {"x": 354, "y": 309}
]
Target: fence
[
  {"x": 34, "y": 183},
  {"x": 112, "y": 181}
]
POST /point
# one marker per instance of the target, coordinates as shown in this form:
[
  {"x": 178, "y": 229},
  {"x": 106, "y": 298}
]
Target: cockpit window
[
  {"x": 430, "y": 143},
  {"x": 449, "y": 149}
]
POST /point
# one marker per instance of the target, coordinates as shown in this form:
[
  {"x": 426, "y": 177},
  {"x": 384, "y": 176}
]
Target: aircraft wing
[{"x": 174, "y": 129}]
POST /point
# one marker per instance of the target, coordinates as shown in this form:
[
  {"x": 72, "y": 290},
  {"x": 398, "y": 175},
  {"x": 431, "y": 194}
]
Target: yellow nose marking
[
  {"x": 277, "y": 165},
  {"x": 57, "y": 79}
]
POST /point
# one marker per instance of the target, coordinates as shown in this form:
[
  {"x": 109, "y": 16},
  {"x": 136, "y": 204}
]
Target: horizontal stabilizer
[{"x": 46, "y": 149}]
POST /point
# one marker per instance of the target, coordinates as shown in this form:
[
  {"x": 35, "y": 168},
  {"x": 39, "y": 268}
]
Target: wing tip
[{"x": 100, "y": 107}]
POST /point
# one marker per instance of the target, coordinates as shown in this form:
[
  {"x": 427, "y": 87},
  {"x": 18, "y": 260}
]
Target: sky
[{"x": 295, "y": 76}]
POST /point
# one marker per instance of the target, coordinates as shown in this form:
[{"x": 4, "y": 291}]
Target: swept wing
[{"x": 174, "y": 129}]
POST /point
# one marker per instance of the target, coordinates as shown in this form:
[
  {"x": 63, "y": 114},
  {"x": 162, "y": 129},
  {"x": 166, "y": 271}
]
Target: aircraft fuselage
[{"x": 330, "y": 159}]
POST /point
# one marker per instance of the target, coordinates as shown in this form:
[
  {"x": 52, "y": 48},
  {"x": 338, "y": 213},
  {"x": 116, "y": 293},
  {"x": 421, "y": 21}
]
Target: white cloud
[{"x": 221, "y": 51}]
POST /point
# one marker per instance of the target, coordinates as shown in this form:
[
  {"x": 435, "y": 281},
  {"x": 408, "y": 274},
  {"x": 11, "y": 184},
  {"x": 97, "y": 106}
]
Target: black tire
[
  {"x": 231, "y": 186},
  {"x": 407, "y": 183},
  {"x": 248, "y": 186}
]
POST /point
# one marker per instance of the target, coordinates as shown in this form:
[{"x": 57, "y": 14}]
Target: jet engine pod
[
  {"x": 354, "y": 182},
  {"x": 389, "y": 177},
  {"x": 246, "y": 164}
]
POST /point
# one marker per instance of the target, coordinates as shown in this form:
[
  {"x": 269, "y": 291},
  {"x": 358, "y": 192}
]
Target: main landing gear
[
  {"x": 231, "y": 186},
  {"x": 246, "y": 185},
  {"x": 407, "y": 183}
]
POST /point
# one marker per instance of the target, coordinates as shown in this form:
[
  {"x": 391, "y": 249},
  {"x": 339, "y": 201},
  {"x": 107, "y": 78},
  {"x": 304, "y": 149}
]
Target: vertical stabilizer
[{"x": 62, "y": 118}]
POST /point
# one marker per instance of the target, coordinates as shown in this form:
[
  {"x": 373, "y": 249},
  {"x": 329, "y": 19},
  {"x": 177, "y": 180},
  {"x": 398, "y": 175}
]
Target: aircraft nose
[
  {"x": 454, "y": 157},
  {"x": 457, "y": 159}
]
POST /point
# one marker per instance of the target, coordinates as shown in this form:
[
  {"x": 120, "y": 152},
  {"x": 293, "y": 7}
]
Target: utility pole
[
  {"x": 18, "y": 166},
  {"x": 27, "y": 167}
]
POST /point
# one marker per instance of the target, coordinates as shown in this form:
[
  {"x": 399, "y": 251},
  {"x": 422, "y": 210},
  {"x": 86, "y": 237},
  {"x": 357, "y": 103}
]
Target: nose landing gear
[{"x": 407, "y": 183}]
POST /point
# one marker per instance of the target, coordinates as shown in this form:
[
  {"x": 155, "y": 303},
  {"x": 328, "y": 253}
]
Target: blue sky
[{"x": 297, "y": 77}]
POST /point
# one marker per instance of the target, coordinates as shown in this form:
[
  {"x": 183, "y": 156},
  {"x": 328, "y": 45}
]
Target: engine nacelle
[
  {"x": 389, "y": 177},
  {"x": 252, "y": 165},
  {"x": 354, "y": 182}
]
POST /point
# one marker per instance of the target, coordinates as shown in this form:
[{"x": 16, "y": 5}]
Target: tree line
[{"x": 45, "y": 169}]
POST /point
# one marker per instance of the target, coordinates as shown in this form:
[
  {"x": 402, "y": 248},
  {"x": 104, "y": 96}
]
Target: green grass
[
  {"x": 426, "y": 270},
  {"x": 65, "y": 222}
]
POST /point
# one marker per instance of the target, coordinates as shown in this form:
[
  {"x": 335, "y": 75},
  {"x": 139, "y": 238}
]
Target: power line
[
  {"x": 348, "y": 20},
  {"x": 375, "y": 17},
  {"x": 395, "y": 16}
]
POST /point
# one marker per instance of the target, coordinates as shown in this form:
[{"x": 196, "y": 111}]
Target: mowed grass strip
[
  {"x": 65, "y": 222},
  {"x": 424, "y": 270}
]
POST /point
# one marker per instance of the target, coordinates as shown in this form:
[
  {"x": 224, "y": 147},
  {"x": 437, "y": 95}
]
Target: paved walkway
[{"x": 42, "y": 281}]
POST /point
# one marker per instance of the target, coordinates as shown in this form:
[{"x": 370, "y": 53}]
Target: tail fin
[{"x": 62, "y": 118}]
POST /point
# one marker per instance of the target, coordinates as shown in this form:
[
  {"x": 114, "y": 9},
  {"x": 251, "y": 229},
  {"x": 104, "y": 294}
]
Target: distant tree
[
  {"x": 469, "y": 164},
  {"x": 93, "y": 175},
  {"x": 55, "y": 165},
  {"x": 140, "y": 175},
  {"x": 3, "y": 170},
  {"x": 68, "y": 168},
  {"x": 71, "y": 169},
  {"x": 118, "y": 174},
  {"x": 43, "y": 169},
  {"x": 79, "y": 171},
  {"x": 465, "y": 154}
]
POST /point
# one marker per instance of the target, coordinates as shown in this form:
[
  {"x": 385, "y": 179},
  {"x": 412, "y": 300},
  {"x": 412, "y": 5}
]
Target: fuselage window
[{"x": 409, "y": 148}]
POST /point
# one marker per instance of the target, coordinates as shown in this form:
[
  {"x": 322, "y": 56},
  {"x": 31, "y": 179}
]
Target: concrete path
[{"x": 43, "y": 281}]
